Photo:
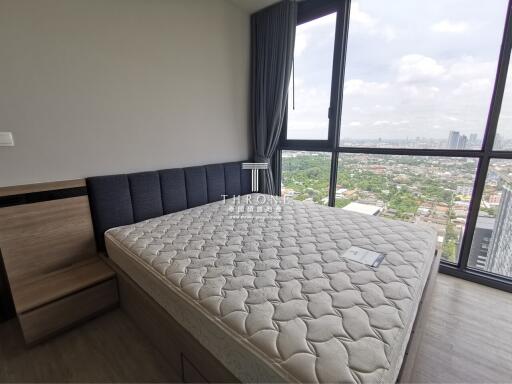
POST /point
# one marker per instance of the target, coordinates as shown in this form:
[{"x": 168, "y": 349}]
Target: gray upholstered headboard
[{"x": 125, "y": 199}]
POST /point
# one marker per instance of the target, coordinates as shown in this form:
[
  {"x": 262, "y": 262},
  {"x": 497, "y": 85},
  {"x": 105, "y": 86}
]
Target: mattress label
[{"x": 364, "y": 256}]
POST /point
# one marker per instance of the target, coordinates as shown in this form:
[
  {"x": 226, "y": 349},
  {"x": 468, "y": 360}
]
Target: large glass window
[
  {"x": 491, "y": 249},
  {"x": 503, "y": 141},
  {"x": 305, "y": 175},
  {"x": 418, "y": 83},
  {"x": 309, "y": 95},
  {"x": 435, "y": 191},
  {"x": 420, "y": 74}
]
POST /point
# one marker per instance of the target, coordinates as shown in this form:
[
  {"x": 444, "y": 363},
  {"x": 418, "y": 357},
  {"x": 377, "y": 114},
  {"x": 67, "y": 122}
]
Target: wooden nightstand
[
  {"x": 55, "y": 301},
  {"x": 55, "y": 275}
]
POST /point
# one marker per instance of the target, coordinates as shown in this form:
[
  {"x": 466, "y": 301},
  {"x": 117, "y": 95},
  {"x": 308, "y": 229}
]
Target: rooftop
[{"x": 367, "y": 209}]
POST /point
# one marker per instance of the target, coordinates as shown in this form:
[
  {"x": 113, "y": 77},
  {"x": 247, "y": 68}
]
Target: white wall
[{"x": 92, "y": 87}]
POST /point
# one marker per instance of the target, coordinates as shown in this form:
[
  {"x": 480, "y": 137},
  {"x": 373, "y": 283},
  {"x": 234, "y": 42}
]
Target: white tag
[{"x": 364, "y": 256}]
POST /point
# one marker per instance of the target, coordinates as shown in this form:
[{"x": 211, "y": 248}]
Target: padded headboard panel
[{"x": 126, "y": 199}]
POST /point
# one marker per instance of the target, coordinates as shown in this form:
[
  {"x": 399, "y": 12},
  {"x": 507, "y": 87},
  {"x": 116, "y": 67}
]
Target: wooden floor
[
  {"x": 468, "y": 340},
  {"x": 109, "y": 348},
  {"x": 469, "y": 335}
]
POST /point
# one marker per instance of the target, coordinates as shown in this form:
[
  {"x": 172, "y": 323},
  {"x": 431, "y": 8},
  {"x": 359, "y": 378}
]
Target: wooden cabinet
[
  {"x": 55, "y": 276},
  {"x": 58, "y": 300},
  {"x": 61, "y": 314}
]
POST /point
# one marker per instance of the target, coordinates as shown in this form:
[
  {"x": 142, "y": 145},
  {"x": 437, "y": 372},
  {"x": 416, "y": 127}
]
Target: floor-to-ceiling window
[{"x": 402, "y": 110}]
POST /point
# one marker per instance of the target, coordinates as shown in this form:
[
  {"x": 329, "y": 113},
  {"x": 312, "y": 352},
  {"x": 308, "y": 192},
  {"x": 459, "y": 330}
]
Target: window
[
  {"x": 414, "y": 91},
  {"x": 435, "y": 191},
  {"x": 503, "y": 141},
  {"x": 493, "y": 231},
  {"x": 420, "y": 74},
  {"x": 310, "y": 88},
  {"x": 305, "y": 176}
]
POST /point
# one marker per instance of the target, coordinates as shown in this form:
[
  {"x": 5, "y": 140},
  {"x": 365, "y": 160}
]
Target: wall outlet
[{"x": 6, "y": 139}]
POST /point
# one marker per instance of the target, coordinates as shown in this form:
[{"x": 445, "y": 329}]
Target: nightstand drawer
[{"x": 58, "y": 315}]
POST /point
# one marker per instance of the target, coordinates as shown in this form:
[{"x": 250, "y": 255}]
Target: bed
[{"x": 261, "y": 286}]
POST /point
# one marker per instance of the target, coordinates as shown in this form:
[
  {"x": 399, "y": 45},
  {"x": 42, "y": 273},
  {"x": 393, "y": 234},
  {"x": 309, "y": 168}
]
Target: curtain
[{"x": 272, "y": 44}]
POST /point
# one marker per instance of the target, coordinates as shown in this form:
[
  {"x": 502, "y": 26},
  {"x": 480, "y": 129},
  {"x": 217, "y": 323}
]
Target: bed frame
[{"x": 126, "y": 199}]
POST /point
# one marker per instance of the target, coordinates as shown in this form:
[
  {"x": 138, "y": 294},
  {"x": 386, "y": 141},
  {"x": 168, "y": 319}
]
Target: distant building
[
  {"x": 463, "y": 142},
  {"x": 340, "y": 192},
  {"x": 453, "y": 139},
  {"x": 481, "y": 240},
  {"x": 367, "y": 209},
  {"x": 473, "y": 139},
  {"x": 499, "y": 258},
  {"x": 464, "y": 190},
  {"x": 457, "y": 141},
  {"x": 494, "y": 199}
]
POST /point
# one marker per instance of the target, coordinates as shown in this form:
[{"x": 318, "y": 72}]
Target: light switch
[{"x": 6, "y": 139}]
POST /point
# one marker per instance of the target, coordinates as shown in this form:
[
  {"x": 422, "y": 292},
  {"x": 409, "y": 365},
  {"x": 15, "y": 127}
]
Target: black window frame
[
  {"x": 308, "y": 11},
  {"x": 311, "y": 9}
]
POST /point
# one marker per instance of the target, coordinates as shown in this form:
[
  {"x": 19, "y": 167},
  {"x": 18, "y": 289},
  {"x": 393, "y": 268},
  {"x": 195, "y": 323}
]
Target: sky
[{"x": 414, "y": 69}]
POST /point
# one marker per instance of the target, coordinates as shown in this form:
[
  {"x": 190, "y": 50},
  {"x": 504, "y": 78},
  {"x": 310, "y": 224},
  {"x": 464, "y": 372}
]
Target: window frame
[
  {"x": 308, "y": 11},
  {"x": 312, "y": 9}
]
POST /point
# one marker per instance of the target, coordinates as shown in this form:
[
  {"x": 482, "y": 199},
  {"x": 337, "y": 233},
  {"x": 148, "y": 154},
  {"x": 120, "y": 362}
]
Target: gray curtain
[{"x": 272, "y": 44}]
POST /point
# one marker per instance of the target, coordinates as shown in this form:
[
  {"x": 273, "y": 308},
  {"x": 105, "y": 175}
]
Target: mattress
[{"x": 263, "y": 285}]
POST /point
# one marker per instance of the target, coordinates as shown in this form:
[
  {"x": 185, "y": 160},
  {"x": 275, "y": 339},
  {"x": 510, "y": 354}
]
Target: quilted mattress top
[{"x": 274, "y": 274}]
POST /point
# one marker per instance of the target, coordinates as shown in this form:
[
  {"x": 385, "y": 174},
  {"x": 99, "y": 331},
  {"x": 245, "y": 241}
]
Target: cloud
[
  {"x": 418, "y": 68},
  {"x": 378, "y": 123},
  {"x": 312, "y": 30},
  {"x": 365, "y": 22},
  {"x": 478, "y": 86},
  {"x": 471, "y": 77},
  {"x": 389, "y": 33},
  {"x": 417, "y": 93},
  {"x": 468, "y": 67},
  {"x": 361, "y": 87},
  {"x": 360, "y": 17},
  {"x": 435, "y": 71},
  {"x": 301, "y": 43},
  {"x": 447, "y": 26},
  {"x": 387, "y": 108}
]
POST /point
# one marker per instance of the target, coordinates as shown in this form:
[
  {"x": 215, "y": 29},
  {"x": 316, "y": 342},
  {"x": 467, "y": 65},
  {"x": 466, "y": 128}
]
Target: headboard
[{"x": 126, "y": 199}]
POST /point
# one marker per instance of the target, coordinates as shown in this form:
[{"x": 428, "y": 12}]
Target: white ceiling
[{"x": 253, "y": 5}]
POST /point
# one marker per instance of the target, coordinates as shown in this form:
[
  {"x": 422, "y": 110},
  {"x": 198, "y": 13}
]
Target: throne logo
[{"x": 255, "y": 169}]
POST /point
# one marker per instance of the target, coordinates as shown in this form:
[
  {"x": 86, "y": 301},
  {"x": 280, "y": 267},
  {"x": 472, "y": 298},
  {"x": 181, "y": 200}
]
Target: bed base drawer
[{"x": 45, "y": 321}]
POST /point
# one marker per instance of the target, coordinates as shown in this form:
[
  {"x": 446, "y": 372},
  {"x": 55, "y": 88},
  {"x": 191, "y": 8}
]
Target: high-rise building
[
  {"x": 473, "y": 139},
  {"x": 463, "y": 142},
  {"x": 457, "y": 141},
  {"x": 481, "y": 240},
  {"x": 453, "y": 139},
  {"x": 499, "y": 256}
]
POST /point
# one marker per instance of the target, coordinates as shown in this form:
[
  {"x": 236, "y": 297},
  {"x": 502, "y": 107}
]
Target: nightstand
[{"x": 58, "y": 300}]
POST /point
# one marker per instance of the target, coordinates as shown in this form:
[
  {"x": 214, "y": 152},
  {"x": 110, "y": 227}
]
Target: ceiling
[{"x": 253, "y": 5}]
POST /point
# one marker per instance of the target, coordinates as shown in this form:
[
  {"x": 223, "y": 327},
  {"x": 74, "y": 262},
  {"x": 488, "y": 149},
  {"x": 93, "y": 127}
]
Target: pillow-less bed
[{"x": 269, "y": 292}]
